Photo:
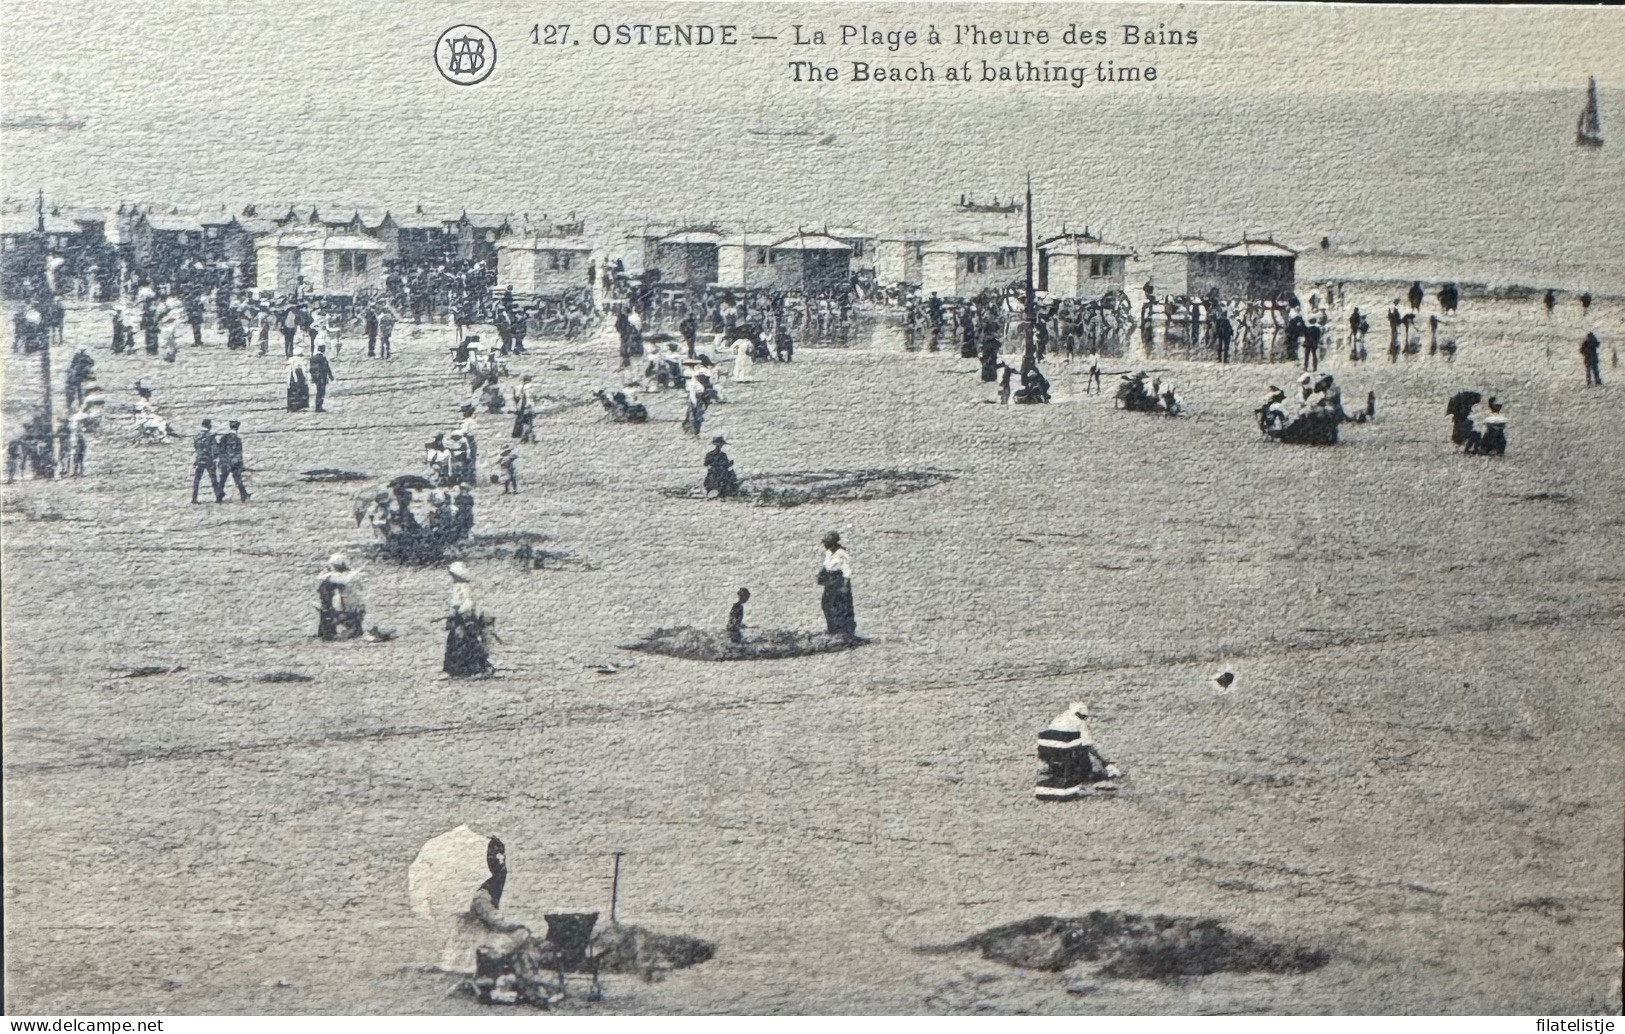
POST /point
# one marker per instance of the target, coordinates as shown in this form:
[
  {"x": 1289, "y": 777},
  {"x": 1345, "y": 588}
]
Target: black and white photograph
[{"x": 833, "y": 509}]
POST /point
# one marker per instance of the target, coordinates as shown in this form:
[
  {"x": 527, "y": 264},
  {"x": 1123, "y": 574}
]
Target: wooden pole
[
  {"x": 615, "y": 889},
  {"x": 1032, "y": 300}
]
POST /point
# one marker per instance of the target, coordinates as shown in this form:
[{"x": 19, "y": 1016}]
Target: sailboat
[{"x": 1588, "y": 133}]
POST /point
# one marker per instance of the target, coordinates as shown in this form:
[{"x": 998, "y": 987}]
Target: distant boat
[
  {"x": 1589, "y": 131},
  {"x": 1008, "y": 208},
  {"x": 781, "y": 134},
  {"x": 41, "y": 122}
]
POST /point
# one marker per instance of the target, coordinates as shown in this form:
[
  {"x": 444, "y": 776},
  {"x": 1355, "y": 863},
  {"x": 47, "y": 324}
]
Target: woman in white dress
[
  {"x": 481, "y": 930},
  {"x": 742, "y": 360}
]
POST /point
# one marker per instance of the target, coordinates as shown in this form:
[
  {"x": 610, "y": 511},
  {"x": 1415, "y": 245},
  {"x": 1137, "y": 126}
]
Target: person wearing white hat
[
  {"x": 466, "y": 653},
  {"x": 1067, "y": 749}
]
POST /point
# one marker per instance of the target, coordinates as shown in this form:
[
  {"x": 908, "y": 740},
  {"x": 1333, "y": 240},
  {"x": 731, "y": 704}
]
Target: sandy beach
[{"x": 1417, "y": 769}]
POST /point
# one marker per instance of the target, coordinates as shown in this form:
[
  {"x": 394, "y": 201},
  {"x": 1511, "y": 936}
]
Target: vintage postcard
[{"x": 857, "y": 508}]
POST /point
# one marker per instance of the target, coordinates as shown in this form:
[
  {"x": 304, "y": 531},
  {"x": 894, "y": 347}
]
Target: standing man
[
  {"x": 1590, "y": 355},
  {"x": 205, "y": 454},
  {"x": 690, "y": 330},
  {"x": 736, "y": 618},
  {"x": 79, "y": 371},
  {"x": 371, "y": 321},
  {"x": 149, "y": 327},
  {"x": 321, "y": 374},
  {"x": 386, "y": 327},
  {"x": 290, "y": 327},
  {"x": 469, "y": 429},
  {"x": 520, "y": 324},
  {"x": 229, "y": 456},
  {"x": 194, "y": 316}
]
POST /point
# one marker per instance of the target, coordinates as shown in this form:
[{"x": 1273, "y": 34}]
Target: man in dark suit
[
  {"x": 321, "y": 374},
  {"x": 229, "y": 457},
  {"x": 205, "y": 451}
]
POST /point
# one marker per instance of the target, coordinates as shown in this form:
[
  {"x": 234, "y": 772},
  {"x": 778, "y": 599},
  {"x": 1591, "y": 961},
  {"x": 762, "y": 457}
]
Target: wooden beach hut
[
  {"x": 966, "y": 268},
  {"x": 543, "y": 267},
  {"x": 814, "y": 263},
  {"x": 1080, "y": 265},
  {"x": 746, "y": 261},
  {"x": 897, "y": 260},
  {"x": 687, "y": 258},
  {"x": 1184, "y": 267},
  {"x": 1255, "y": 269},
  {"x": 318, "y": 262}
]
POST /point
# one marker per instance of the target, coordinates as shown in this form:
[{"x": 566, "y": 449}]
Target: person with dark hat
[
  {"x": 840, "y": 616},
  {"x": 321, "y": 374},
  {"x": 719, "y": 471},
  {"x": 229, "y": 461},
  {"x": 204, "y": 452}
]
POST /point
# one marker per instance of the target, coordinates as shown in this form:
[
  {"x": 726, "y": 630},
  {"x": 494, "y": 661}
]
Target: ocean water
[{"x": 1483, "y": 187}]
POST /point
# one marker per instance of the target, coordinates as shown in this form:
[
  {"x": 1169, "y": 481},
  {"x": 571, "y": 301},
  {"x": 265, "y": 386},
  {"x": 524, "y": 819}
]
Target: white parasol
[{"x": 447, "y": 873}]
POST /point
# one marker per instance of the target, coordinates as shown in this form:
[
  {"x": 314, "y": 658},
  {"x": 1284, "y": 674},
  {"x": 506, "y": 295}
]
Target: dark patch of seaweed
[
  {"x": 800, "y": 487},
  {"x": 698, "y": 644},
  {"x": 1135, "y": 947}
]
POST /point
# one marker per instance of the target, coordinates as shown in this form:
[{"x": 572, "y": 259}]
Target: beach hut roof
[
  {"x": 1258, "y": 249},
  {"x": 693, "y": 237},
  {"x": 1187, "y": 246},
  {"x": 341, "y": 242},
  {"x": 285, "y": 238},
  {"x": 15, "y": 224},
  {"x": 750, "y": 239},
  {"x": 1082, "y": 244},
  {"x": 61, "y": 224},
  {"x": 966, "y": 247},
  {"x": 530, "y": 242},
  {"x": 811, "y": 242}
]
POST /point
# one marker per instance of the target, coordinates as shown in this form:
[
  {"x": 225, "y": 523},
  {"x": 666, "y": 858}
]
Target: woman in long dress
[
  {"x": 340, "y": 601},
  {"x": 840, "y": 618},
  {"x": 742, "y": 359},
  {"x": 298, "y": 385},
  {"x": 481, "y": 931},
  {"x": 465, "y": 629}
]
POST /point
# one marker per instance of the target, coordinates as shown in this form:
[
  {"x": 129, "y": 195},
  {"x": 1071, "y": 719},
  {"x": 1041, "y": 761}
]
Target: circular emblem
[{"x": 465, "y": 54}]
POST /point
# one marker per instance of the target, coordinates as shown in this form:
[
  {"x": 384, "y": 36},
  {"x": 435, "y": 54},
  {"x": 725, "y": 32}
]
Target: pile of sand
[
  {"x": 698, "y": 644},
  {"x": 1135, "y": 947},
  {"x": 799, "y": 487},
  {"x": 632, "y": 949}
]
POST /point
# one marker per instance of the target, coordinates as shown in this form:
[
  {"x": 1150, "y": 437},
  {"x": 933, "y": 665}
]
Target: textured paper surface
[{"x": 1415, "y": 776}]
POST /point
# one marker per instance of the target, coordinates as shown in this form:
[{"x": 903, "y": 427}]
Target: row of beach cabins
[
  {"x": 353, "y": 252},
  {"x": 1068, "y": 265}
]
